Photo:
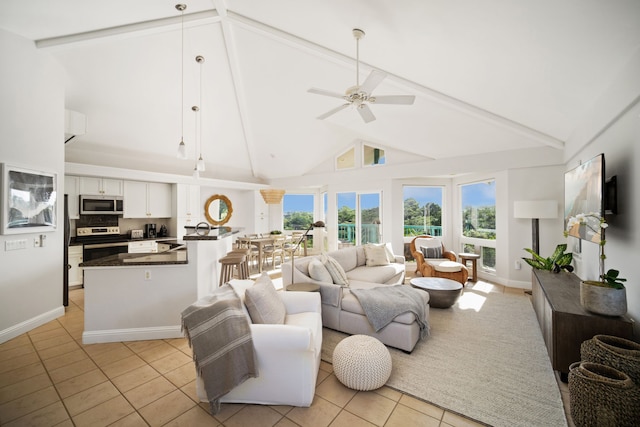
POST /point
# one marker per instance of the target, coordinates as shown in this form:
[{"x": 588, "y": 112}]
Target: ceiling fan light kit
[{"x": 360, "y": 96}]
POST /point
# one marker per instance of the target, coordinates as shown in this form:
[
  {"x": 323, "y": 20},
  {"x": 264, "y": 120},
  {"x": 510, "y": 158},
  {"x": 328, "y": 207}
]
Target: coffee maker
[{"x": 150, "y": 231}]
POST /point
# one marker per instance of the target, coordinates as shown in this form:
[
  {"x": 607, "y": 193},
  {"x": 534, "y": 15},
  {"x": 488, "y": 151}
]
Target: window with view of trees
[
  {"x": 359, "y": 219},
  {"x": 478, "y": 201},
  {"x": 298, "y": 211},
  {"x": 422, "y": 210}
]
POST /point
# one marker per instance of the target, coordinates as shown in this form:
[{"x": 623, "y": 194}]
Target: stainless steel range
[{"x": 100, "y": 241}]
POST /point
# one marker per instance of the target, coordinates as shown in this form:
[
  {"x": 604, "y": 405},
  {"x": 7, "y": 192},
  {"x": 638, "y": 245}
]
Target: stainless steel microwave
[{"x": 101, "y": 205}]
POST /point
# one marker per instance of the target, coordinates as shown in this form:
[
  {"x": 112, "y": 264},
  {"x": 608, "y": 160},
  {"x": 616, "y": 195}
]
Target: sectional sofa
[{"x": 342, "y": 311}]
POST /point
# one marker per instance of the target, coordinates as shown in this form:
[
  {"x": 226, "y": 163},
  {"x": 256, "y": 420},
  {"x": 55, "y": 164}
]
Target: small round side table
[
  {"x": 303, "y": 287},
  {"x": 464, "y": 257}
]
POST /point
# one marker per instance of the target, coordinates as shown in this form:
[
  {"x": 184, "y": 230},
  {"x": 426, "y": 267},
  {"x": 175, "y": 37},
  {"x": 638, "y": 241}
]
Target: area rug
[{"x": 485, "y": 359}]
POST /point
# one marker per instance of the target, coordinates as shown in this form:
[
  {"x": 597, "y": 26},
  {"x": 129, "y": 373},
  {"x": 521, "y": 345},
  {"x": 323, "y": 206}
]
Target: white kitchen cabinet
[
  {"x": 147, "y": 199},
  {"x": 75, "y": 258},
  {"x": 101, "y": 186},
  {"x": 72, "y": 189},
  {"x": 143, "y": 247},
  {"x": 189, "y": 209},
  {"x": 189, "y": 202}
]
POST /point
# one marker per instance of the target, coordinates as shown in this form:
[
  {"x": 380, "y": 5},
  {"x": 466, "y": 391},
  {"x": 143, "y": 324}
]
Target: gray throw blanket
[
  {"x": 218, "y": 330},
  {"x": 382, "y": 304}
]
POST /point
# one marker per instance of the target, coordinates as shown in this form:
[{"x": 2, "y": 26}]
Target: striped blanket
[{"x": 219, "y": 333}]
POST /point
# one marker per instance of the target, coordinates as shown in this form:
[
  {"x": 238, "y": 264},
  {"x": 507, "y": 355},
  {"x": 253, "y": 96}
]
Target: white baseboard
[
  {"x": 132, "y": 334},
  {"x": 520, "y": 284},
  {"x": 30, "y": 324}
]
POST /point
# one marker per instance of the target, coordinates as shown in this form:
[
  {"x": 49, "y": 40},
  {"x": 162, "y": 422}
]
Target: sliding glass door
[{"x": 359, "y": 219}]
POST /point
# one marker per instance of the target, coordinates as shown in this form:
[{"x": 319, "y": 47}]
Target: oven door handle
[{"x": 105, "y": 245}]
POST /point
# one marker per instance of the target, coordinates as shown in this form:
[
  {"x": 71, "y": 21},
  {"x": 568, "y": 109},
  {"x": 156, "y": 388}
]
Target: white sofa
[
  {"x": 340, "y": 308},
  {"x": 287, "y": 356}
]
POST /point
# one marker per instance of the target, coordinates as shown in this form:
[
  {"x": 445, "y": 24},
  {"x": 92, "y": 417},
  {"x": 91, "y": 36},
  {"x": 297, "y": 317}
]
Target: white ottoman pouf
[{"x": 362, "y": 362}]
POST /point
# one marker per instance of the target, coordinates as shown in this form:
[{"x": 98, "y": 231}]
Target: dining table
[{"x": 262, "y": 241}]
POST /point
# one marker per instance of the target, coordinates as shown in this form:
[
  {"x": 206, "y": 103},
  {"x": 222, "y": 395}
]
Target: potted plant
[
  {"x": 275, "y": 232},
  {"x": 608, "y": 295},
  {"x": 556, "y": 262}
]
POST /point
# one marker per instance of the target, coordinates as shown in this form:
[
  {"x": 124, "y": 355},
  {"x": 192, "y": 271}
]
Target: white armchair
[{"x": 287, "y": 356}]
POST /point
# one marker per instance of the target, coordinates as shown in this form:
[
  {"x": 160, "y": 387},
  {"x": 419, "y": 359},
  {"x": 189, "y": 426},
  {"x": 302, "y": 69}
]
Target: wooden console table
[{"x": 563, "y": 321}]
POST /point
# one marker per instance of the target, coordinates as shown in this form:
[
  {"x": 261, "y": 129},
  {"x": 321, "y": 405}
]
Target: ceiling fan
[{"x": 360, "y": 96}]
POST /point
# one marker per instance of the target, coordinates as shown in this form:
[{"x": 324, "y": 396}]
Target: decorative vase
[{"x": 602, "y": 299}]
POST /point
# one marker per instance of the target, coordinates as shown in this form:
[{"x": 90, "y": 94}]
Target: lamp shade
[
  {"x": 272, "y": 196},
  {"x": 535, "y": 209}
]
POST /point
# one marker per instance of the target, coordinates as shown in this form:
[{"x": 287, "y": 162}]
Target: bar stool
[
  {"x": 245, "y": 266},
  {"x": 228, "y": 263}
]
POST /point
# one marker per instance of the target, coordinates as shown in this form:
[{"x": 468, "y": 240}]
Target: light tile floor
[{"x": 49, "y": 378}]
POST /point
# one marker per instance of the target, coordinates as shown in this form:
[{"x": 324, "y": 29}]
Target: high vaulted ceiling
[{"x": 489, "y": 76}]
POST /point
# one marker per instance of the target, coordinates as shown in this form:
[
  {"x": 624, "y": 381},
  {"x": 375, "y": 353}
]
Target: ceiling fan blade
[
  {"x": 393, "y": 99},
  {"x": 326, "y": 93},
  {"x": 366, "y": 113},
  {"x": 373, "y": 80},
  {"x": 332, "y": 112}
]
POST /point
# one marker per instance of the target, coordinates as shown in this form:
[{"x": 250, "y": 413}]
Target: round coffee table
[{"x": 443, "y": 293}]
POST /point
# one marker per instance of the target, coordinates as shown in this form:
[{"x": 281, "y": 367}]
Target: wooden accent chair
[{"x": 426, "y": 268}]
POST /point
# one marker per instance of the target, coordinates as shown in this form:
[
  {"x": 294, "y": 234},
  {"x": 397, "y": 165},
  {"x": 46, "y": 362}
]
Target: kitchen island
[{"x": 131, "y": 297}]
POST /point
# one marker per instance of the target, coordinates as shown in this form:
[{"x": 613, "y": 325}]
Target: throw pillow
[
  {"x": 263, "y": 302},
  {"x": 435, "y": 252},
  {"x": 336, "y": 271},
  {"x": 375, "y": 255},
  {"x": 389, "y": 249},
  {"x": 317, "y": 271}
]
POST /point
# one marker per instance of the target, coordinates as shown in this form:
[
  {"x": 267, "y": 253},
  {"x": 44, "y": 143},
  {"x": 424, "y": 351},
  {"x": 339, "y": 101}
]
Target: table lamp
[{"x": 317, "y": 224}]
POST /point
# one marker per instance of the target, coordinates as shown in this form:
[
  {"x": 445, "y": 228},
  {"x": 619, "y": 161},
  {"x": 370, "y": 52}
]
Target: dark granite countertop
[
  {"x": 120, "y": 260},
  {"x": 216, "y": 233}
]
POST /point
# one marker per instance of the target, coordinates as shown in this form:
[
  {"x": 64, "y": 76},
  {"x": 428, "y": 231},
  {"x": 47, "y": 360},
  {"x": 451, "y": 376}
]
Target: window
[
  {"x": 298, "y": 211},
  {"x": 346, "y": 160},
  {"x": 359, "y": 219},
  {"x": 478, "y": 201},
  {"x": 372, "y": 156},
  {"x": 422, "y": 210}
]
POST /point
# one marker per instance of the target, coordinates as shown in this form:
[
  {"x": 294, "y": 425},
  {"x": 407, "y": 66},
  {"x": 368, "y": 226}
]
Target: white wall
[
  {"x": 542, "y": 183},
  {"x": 32, "y": 135},
  {"x": 619, "y": 143}
]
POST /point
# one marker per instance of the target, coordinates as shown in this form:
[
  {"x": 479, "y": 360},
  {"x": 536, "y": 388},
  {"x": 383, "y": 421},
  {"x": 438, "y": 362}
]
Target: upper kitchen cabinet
[
  {"x": 101, "y": 186},
  {"x": 147, "y": 200},
  {"x": 188, "y": 202},
  {"x": 72, "y": 189}
]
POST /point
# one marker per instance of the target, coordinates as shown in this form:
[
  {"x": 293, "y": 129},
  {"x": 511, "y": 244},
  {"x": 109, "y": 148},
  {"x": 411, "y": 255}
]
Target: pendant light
[
  {"x": 182, "y": 148},
  {"x": 196, "y": 170},
  {"x": 200, "y": 165}
]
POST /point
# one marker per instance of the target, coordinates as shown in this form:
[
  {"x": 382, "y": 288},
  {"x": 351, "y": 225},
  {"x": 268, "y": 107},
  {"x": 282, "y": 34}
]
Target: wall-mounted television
[
  {"x": 28, "y": 200},
  {"x": 584, "y": 188}
]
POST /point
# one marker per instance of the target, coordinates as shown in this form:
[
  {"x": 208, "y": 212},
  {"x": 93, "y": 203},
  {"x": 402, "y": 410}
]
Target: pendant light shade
[
  {"x": 272, "y": 196},
  {"x": 182, "y": 148}
]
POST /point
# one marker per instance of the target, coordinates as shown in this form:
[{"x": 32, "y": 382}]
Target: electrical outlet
[
  {"x": 147, "y": 275},
  {"x": 518, "y": 265}
]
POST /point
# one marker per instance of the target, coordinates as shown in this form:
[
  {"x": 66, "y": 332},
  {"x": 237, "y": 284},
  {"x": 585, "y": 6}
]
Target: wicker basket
[
  {"x": 601, "y": 396},
  {"x": 619, "y": 353}
]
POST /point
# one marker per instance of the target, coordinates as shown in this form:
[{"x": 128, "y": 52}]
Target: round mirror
[{"x": 218, "y": 209}]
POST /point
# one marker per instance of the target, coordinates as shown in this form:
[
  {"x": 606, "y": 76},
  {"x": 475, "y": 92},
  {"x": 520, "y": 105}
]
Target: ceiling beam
[
  {"x": 128, "y": 30},
  {"x": 234, "y": 66}
]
